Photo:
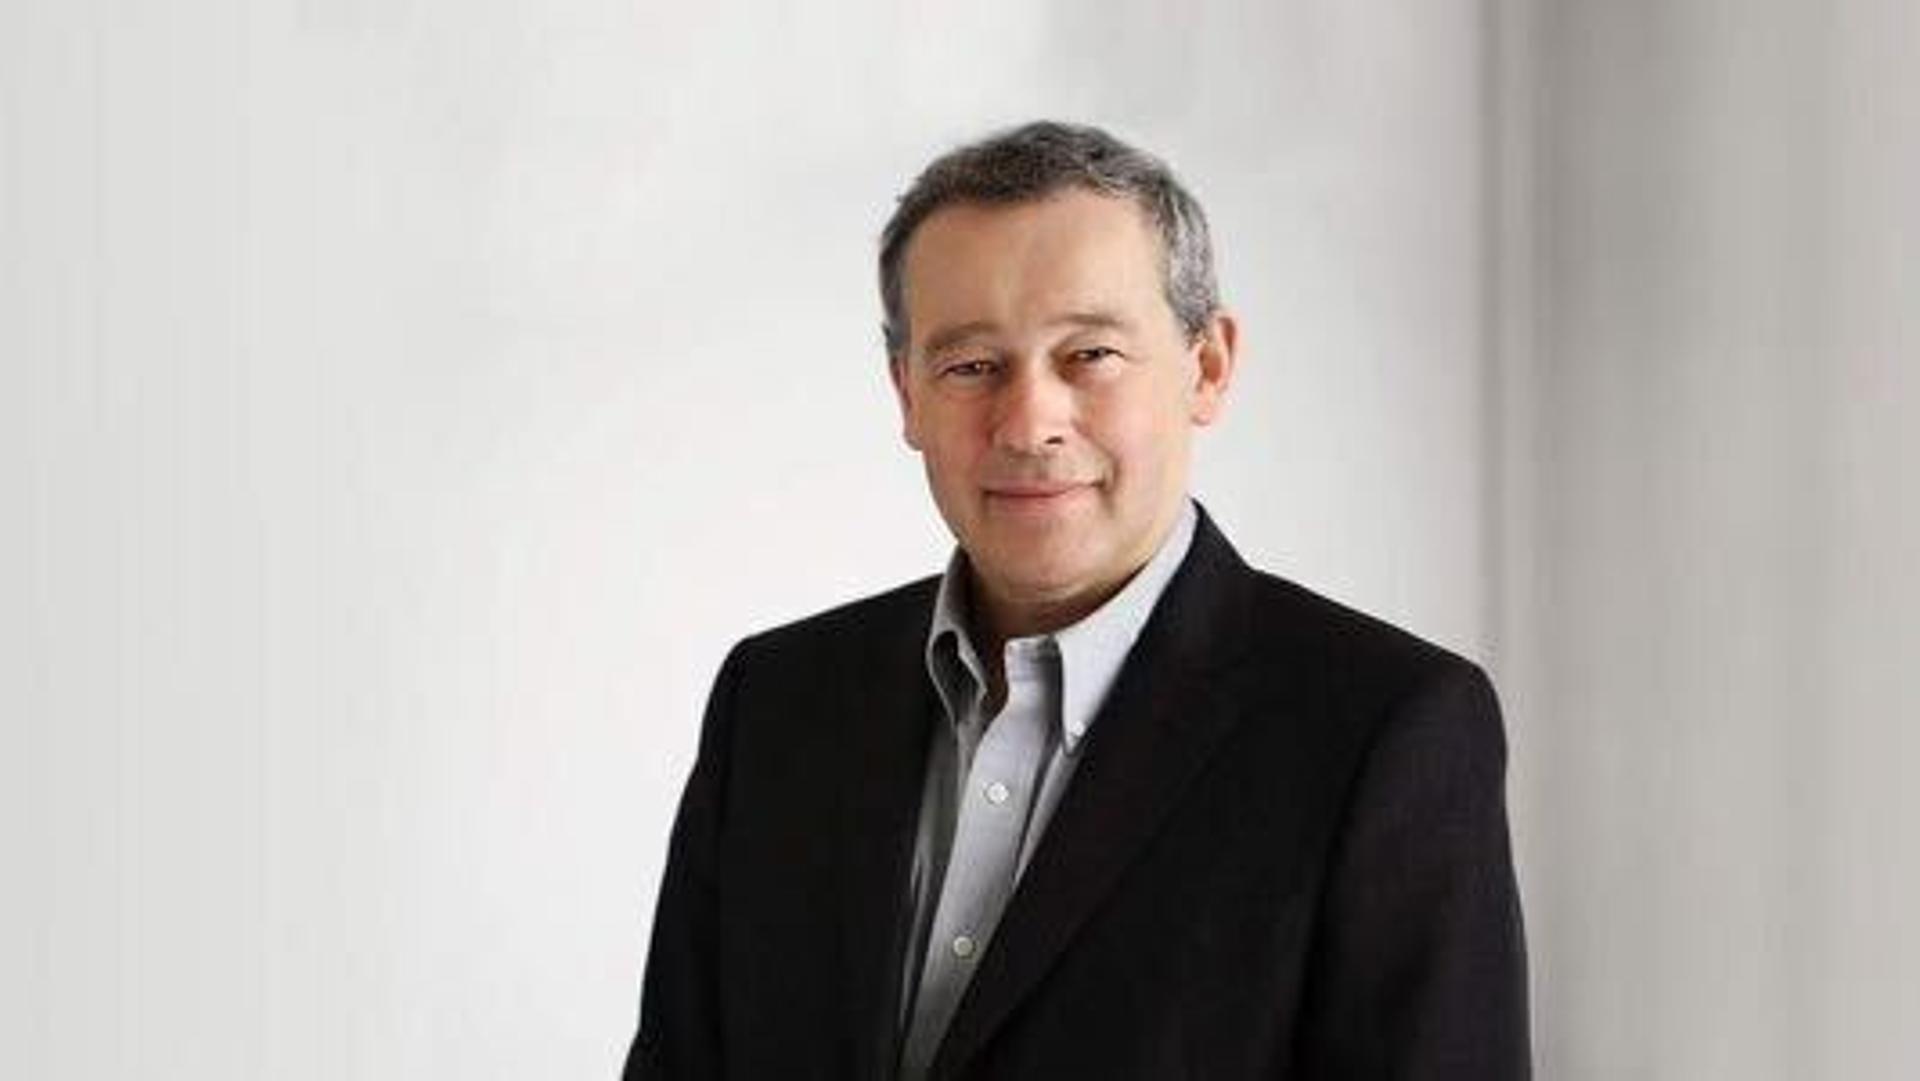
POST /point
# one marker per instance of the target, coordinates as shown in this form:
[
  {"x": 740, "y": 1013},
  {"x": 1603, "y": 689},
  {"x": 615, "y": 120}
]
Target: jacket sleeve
[
  {"x": 680, "y": 1032},
  {"x": 1419, "y": 967}
]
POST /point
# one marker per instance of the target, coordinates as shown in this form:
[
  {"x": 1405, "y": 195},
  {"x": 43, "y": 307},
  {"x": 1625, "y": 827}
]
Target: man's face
[{"x": 1051, "y": 391}]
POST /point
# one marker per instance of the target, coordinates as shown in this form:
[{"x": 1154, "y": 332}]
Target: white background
[{"x": 403, "y": 405}]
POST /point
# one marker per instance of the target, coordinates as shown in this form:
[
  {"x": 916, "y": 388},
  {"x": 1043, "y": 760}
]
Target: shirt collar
[{"x": 1091, "y": 651}]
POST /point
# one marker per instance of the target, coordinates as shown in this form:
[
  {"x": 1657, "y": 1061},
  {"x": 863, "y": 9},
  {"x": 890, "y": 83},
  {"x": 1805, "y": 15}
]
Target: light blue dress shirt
[{"x": 993, "y": 781}]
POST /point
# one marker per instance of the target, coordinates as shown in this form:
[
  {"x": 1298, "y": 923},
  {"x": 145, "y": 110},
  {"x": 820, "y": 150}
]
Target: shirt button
[
  {"x": 996, "y": 793},
  {"x": 963, "y": 946}
]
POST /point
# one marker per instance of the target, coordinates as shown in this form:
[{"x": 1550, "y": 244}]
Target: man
[{"x": 1101, "y": 801}]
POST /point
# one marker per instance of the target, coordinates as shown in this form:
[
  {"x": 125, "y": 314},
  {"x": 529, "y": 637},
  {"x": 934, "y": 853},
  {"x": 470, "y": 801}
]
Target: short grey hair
[{"x": 1032, "y": 162}]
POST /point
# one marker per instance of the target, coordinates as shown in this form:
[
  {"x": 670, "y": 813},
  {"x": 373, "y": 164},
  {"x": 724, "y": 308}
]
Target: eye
[
  {"x": 966, "y": 369},
  {"x": 1092, "y": 354}
]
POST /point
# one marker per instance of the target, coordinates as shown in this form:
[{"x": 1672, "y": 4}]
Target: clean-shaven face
[{"x": 1051, "y": 391}]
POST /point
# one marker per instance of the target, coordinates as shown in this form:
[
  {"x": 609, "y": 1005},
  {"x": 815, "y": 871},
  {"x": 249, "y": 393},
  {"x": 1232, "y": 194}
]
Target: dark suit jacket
[{"x": 1284, "y": 854}]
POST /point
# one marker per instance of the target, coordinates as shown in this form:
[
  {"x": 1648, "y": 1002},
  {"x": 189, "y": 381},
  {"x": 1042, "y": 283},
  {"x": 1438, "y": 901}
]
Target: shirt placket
[{"x": 995, "y": 802}]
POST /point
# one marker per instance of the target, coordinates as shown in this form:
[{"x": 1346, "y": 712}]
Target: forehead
[{"x": 1027, "y": 263}]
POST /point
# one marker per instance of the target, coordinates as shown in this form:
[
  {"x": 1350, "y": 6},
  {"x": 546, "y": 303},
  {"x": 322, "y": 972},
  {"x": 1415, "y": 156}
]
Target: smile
[{"x": 1034, "y": 496}]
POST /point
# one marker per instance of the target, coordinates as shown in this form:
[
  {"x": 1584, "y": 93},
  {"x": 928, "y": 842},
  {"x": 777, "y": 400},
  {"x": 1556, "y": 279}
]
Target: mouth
[{"x": 1034, "y": 496}]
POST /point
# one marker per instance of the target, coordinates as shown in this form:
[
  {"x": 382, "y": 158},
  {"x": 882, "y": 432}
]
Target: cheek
[
  {"x": 950, "y": 453},
  {"x": 1140, "y": 438}
]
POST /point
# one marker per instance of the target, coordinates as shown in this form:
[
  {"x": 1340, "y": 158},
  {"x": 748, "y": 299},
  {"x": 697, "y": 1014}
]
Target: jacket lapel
[
  {"x": 887, "y": 711},
  {"x": 1160, "y": 723}
]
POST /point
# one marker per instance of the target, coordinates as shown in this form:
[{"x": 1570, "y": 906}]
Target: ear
[
  {"x": 903, "y": 392},
  {"x": 1218, "y": 350}
]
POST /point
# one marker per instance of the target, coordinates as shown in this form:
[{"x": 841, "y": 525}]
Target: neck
[
  {"x": 998, "y": 612},
  {"x": 998, "y": 616}
]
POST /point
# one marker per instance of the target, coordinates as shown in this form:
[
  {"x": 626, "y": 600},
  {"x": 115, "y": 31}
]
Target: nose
[{"x": 1033, "y": 413}]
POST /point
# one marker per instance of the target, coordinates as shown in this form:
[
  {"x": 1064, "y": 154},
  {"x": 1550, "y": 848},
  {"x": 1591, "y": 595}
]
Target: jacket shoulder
[
  {"x": 1350, "y": 648},
  {"x": 877, "y": 621}
]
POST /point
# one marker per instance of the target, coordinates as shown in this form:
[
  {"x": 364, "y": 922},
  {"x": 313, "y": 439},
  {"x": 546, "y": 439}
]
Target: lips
[
  {"x": 1035, "y": 496},
  {"x": 1033, "y": 491}
]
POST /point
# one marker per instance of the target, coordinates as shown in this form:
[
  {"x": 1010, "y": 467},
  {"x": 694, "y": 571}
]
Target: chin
[{"x": 1043, "y": 570}]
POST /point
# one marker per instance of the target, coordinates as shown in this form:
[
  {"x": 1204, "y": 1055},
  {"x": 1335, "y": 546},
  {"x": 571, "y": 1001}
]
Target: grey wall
[
  {"x": 408, "y": 402},
  {"x": 1712, "y": 631}
]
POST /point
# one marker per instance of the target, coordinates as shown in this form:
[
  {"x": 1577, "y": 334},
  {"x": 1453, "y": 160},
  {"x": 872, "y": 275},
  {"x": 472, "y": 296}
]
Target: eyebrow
[{"x": 1086, "y": 320}]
